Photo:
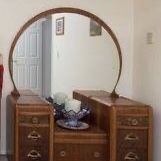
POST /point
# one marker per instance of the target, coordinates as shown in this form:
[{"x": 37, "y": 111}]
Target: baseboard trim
[{"x": 3, "y": 152}]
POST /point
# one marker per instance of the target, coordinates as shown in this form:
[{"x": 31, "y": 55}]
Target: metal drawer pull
[
  {"x": 62, "y": 153},
  {"x": 134, "y": 122},
  {"x": 97, "y": 154},
  {"x": 34, "y": 135},
  {"x": 35, "y": 120},
  {"x": 33, "y": 154},
  {"x": 131, "y": 137},
  {"x": 131, "y": 156}
]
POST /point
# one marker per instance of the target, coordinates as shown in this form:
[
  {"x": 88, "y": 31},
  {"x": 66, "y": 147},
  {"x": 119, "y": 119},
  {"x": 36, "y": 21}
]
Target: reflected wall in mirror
[{"x": 46, "y": 63}]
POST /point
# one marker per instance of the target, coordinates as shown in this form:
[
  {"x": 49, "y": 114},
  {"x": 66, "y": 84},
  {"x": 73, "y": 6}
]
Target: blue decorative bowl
[
  {"x": 58, "y": 111},
  {"x": 72, "y": 118}
]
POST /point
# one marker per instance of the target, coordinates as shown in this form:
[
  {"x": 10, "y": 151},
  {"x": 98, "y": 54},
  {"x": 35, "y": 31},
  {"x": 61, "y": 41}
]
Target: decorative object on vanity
[
  {"x": 59, "y": 98},
  {"x": 60, "y": 26},
  {"x": 95, "y": 28},
  {"x": 71, "y": 118},
  {"x": 50, "y": 100},
  {"x": 58, "y": 111},
  {"x": 72, "y": 112},
  {"x": 72, "y": 125},
  {"x": 72, "y": 105}
]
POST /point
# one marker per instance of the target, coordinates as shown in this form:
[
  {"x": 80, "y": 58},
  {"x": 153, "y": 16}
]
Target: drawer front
[
  {"x": 34, "y": 119},
  {"x": 65, "y": 152},
  {"x": 33, "y": 154},
  {"x": 132, "y": 155},
  {"x": 132, "y": 138},
  {"x": 75, "y": 152},
  {"x": 132, "y": 121},
  {"x": 33, "y": 136},
  {"x": 94, "y": 153}
]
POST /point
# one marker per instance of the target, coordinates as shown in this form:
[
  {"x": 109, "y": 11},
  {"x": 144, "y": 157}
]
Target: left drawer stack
[
  {"x": 29, "y": 128},
  {"x": 34, "y": 132}
]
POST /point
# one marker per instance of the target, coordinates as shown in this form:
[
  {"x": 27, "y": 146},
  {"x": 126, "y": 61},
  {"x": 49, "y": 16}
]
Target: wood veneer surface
[
  {"x": 121, "y": 101},
  {"x": 90, "y": 93},
  {"x": 27, "y": 92},
  {"x": 29, "y": 100},
  {"x": 91, "y": 135},
  {"x": 104, "y": 97}
]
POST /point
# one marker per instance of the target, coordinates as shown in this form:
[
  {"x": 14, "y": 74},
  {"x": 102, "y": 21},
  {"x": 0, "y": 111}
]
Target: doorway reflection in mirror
[{"x": 47, "y": 63}]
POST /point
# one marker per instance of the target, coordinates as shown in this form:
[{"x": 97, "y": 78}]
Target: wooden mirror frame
[{"x": 15, "y": 91}]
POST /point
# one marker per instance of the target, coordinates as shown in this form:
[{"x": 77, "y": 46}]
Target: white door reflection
[{"x": 71, "y": 60}]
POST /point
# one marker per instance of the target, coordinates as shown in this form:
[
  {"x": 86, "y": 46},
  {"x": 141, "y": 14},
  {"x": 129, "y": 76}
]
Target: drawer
[
  {"x": 96, "y": 152},
  {"x": 132, "y": 121},
  {"x": 33, "y": 154},
  {"x": 81, "y": 152},
  {"x": 132, "y": 155},
  {"x": 34, "y": 119},
  {"x": 132, "y": 138},
  {"x": 133, "y": 109},
  {"x": 33, "y": 136},
  {"x": 65, "y": 152}
]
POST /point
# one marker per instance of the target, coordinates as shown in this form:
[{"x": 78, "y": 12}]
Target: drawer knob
[
  {"x": 134, "y": 122},
  {"x": 35, "y": 120},
  {"x": 96, "y": 154},
  {"x": 131, "y": 137},
  {"x": 131, "y": 156},
  {"x": 62, "y": 153},
  {"x": 34, "y": 154},
  {"x": 34, "y": 135}
]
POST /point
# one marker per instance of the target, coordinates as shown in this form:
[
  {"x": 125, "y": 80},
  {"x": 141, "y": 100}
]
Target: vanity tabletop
[
  {"x": 27, "y": 92},
  {"x": 120, "y": 101},
  {"x": 90, "y": 93},
  {"x": 29, "y": 100},
  {"x": 103, "y": 97}
]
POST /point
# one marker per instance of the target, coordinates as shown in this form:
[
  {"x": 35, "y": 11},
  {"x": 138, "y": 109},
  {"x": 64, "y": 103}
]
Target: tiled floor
[{"x": 3, "y": 158}]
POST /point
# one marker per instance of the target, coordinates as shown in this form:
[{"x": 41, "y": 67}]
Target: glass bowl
[{"x": 72, "y": 118}]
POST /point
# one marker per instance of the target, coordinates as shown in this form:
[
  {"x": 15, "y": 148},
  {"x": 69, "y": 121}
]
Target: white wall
[
  {"x": 118, "y": 14},
  {"x": 147, "y": 62},
  {"x": 81, "y": 61}
]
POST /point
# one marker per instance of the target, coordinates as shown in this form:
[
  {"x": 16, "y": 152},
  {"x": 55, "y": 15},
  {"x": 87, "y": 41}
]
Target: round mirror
[{"x": 64, "y": 49}]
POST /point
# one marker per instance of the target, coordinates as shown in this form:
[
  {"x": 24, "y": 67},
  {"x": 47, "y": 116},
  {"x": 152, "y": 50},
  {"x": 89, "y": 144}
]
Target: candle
[
  {"x": 72, "y": 104},
  {"x": 59, "y": 98}
]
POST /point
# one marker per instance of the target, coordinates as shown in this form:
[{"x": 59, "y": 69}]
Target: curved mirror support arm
[{"x": 65, "y": 10}]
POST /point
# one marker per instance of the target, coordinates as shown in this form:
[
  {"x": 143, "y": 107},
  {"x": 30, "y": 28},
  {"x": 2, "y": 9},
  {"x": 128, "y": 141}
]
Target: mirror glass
[{"x": 64, "y": 52}]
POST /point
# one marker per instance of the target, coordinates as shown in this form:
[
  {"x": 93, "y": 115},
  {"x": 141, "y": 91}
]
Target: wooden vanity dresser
[{"x": 120, "y": 130}]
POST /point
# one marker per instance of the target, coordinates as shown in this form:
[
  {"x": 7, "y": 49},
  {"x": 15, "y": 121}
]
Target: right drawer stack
[{"x": 133, "y": 134}]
